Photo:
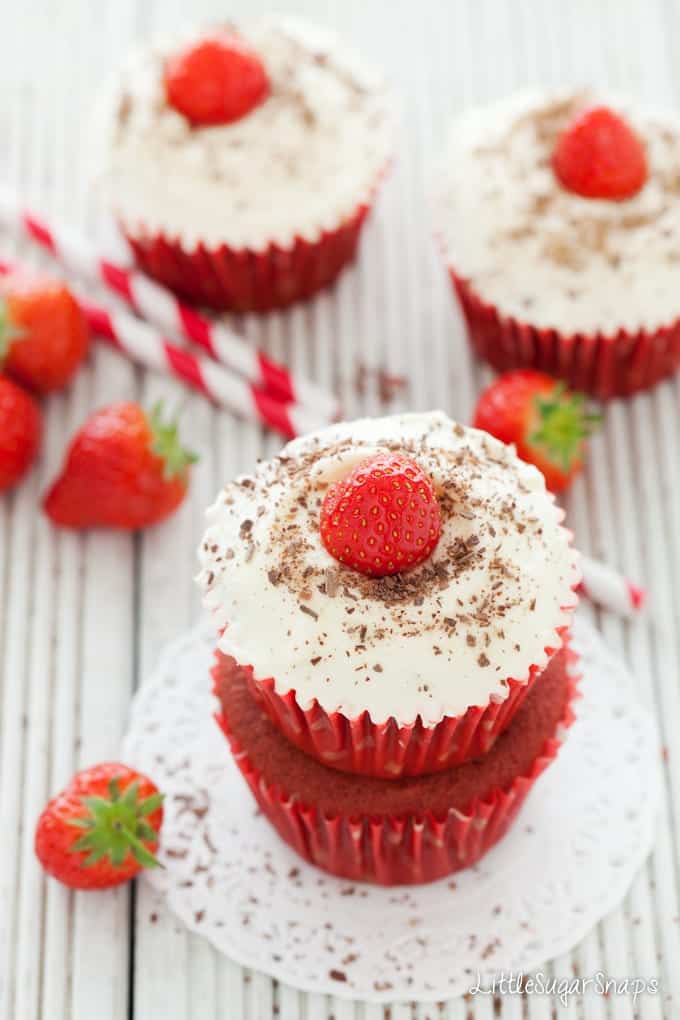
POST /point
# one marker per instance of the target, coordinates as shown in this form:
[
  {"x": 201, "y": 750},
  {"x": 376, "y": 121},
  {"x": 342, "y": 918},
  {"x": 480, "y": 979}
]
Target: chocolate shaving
[{"x": 331, "y": 582}]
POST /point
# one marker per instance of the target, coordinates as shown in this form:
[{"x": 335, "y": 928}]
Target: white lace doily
[{"x": 570, "y": 857}]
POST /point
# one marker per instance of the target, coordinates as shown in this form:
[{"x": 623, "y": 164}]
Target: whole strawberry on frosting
[
  {"x": 383, "y": 517},
  {"x": 216, "y": 80},
  {"x": 600, "y": 156}
]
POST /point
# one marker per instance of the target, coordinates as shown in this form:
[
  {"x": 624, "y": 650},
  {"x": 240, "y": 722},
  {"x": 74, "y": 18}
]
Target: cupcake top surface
[
  {"x": 302, "y": 161},
  {"x": 430, "y": 642},
  {"x": 544, "y": 254}
]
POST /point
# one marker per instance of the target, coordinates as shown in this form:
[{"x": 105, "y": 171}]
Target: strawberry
[
  {"x": 124, "y": 469},
  {"x": 43, "y": 333},
  {"x": 216, "y": 80},
  {"x": 102, "y": 829},
  {"x": 548, "y": 424},
  {"x": 383, "y": 517},
  {"x": 20, "y": 432},
  {"x": 600, "y": 156}
]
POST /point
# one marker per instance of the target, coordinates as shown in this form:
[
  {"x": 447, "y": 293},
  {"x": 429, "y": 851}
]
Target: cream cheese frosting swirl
[
  {"x": 430, "y": 642},
  {"x": 301, "y": 162},
  {"x": 543, "y": 254}
]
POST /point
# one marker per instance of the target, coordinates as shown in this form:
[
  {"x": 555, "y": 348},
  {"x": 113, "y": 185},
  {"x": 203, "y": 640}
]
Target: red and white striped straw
[
  {"x": 139, "y": 342},
  {"x": 609, "y": 589},
  {"x": 161, "y": 308}
]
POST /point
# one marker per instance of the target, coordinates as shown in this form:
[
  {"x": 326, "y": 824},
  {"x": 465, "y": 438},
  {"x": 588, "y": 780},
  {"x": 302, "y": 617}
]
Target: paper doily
[{"x": 569, "y": 858}]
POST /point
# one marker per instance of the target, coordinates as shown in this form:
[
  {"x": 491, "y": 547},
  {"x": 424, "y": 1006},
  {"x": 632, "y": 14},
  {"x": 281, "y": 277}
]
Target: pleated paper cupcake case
[
  {"x": 387, "y": 750},
  {"x": 248, "y": 280},
  {"x": 603, "y": 366},
  {"x": 393, "y": 849}
]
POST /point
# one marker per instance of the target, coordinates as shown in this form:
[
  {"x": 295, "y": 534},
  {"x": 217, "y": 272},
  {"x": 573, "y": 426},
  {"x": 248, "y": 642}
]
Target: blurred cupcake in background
[
  {"x": 241, "y": 162},
  {"x": 559, "y": 217}
]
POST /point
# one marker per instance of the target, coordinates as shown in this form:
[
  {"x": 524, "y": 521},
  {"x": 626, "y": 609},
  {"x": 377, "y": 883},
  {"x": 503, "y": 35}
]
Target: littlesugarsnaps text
[{"x": 563, "y": 989}]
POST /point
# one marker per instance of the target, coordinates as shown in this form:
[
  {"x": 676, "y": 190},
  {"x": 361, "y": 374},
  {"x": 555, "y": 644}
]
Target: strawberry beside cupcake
[
  {"x": 241, "y": 162},
  {"x": 559, "y": 217},
  {"x": 391, "y": 596}
]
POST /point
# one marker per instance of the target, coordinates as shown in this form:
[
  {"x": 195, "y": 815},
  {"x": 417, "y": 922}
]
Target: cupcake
[
  {"x": 241, "y": 162},
  {"x": 559, "y": 217},
  {"x": 400, "y": 831},
  {"x": 390, "y": 589}
]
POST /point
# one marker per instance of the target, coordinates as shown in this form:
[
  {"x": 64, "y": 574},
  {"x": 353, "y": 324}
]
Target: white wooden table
[{"x": 83, "y": 618}]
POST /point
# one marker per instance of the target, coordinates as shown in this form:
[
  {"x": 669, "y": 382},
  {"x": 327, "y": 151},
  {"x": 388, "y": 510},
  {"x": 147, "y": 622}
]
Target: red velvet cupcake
[
  {"x": 403, "y": 831},
  {"x": 559, "y": 218},
  {"x": 241, "y": 162},
  {"x": 392, "y": 589}
]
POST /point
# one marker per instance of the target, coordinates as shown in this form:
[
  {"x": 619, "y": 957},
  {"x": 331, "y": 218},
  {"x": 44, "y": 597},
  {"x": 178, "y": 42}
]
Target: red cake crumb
[{"x": 333, "y": 792}]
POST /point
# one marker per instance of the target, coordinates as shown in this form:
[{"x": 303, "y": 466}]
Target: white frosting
[
  {"x": 543, "y": 254},
  {"x": 300, "y": 162},
  {"x": 431, "y": 642}
]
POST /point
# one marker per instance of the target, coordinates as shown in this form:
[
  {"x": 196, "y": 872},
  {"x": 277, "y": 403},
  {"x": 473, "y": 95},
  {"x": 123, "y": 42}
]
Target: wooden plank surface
[{"x": 83, "y": 619}]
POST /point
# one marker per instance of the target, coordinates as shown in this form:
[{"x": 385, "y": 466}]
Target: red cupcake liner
[
  {"x": 398, "y": 849},
  {"x": 603, "y": 366},
  {"x": 387, "y": 750},
  {"x": 245, "y": 280}
]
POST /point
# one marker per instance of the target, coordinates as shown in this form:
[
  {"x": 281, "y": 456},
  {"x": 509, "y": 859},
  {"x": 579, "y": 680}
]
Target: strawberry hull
[
  {"x": 386, "y": 750},
  {"x": 397, "y": 848},
  {"x": 604, "y": 366}
]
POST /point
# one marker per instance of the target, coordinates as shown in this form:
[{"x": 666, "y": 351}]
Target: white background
[{"x": 83, "y": 618}]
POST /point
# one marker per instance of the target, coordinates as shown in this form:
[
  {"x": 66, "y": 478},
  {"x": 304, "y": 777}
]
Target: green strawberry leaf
[
  {"x": 563, "y": 424},
  {"x": 116, "y": 826},
  {"x": 166, "y": 445}
]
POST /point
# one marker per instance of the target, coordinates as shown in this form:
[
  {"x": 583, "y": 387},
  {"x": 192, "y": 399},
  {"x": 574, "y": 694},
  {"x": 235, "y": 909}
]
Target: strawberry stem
[
  {"x": 564, "y": 424},
  {"x": 116, "y": 826},
  {"x": 166, "y": 444}
]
